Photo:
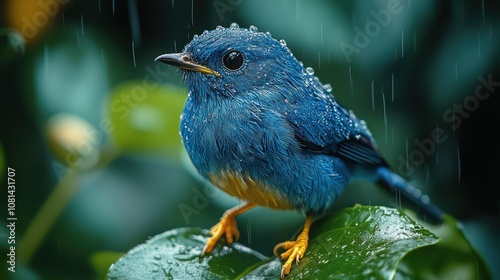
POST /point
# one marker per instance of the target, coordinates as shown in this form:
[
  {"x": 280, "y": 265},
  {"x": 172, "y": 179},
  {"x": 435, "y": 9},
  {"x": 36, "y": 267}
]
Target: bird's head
[{"x": 226, "y": 62}]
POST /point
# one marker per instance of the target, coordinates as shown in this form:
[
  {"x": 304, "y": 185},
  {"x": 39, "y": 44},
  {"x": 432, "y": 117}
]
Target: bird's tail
[{"x": 395, "y": 183}]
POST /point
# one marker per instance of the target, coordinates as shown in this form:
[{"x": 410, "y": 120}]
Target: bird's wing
[{"x": 326, "y": 127}]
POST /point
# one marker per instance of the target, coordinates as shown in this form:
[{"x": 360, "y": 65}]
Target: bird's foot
[
  {"x": 294, "y": 250},
  {"x": 227, "y": 227}
]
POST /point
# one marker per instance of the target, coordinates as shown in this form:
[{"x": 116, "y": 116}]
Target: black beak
[{"x": 182, "y": 60}]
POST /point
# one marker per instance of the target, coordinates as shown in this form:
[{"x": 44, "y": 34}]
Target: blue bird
[{"x": 264, "y": 129}]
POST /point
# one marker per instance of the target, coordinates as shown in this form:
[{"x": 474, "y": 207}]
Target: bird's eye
[{"x": 233, "y": 60}]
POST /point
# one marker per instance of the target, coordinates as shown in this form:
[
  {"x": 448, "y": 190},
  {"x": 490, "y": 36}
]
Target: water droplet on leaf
[
  {"x": 253, "y": 28},
  {"x": 310, "y": 70},
  {"x": 234, "y": 25}
]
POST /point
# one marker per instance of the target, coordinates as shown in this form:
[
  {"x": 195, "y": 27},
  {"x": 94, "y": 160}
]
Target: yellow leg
[
  {"x": 226, "y": 226},
  {"x": 294, "y": 249}
]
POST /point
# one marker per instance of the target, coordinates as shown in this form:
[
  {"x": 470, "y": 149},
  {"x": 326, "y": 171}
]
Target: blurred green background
[{"x": 90, "y": 123}]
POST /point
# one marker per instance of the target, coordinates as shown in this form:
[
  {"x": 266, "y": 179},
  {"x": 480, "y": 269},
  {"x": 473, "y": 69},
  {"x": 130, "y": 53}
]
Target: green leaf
[
  {"x": 452, "y": 258},
  {"x": 145, "y": 117},
  {"x": 175, "y": 254},
  {"x": 361, "y": 242}
]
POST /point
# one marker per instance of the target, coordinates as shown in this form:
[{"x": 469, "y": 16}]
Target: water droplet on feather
[{"x": 327, "y": 87}]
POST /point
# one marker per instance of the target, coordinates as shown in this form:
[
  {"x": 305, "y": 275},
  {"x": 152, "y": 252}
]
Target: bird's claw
[
  {"x": 227, "y": 227},
  {"x": 294, "y": 251}
]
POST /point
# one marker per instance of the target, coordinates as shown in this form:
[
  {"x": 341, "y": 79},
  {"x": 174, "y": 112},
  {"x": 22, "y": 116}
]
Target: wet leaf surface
[
  {"x": 357, "y": 242},
  {"x": 175, "y": 254}
]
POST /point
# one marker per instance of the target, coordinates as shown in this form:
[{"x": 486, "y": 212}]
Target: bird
[{"x": 263, "y": 128}]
